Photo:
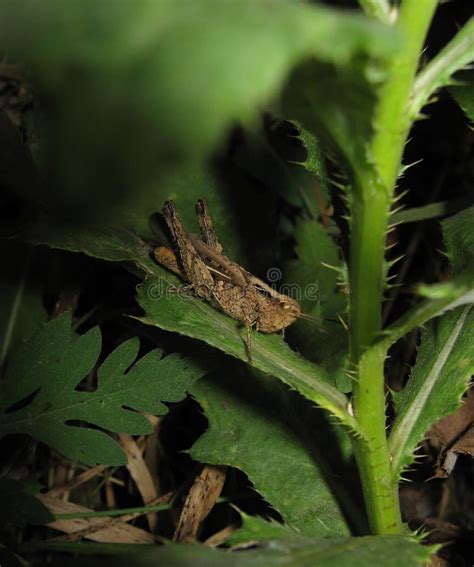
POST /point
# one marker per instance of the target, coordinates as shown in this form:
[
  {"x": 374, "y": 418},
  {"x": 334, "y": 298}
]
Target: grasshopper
[{"x": 224, "y": 284}]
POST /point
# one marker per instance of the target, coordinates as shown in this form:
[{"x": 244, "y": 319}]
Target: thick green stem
[
  {"x": 372, "y": 198},
  {"x": 379, "y": 9}
]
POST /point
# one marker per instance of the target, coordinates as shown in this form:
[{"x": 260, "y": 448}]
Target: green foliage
[
  {"x": 317, "y": 273},
  {"x": 444, "y": 366},
  {"x": 315, "y": 162},
  {"x": 256, "y": 528},
  {"x": 146, "y": 99},
  {"x": 195, "y": 318},
  {"x": 458, "y": 232},
  {"x": 340, "y": 109},
  {"x": 133, "y": 106},
  {"x": 445, "y": 360},
  {"x": 456, "y": 55},
  {"x": 40, "y": 393},
  {"x": 106, "y": 243},
  {"x": 463, "y": 93},
  {"x": 258, "y": 426},
  {"x": 392, "y": 551}
]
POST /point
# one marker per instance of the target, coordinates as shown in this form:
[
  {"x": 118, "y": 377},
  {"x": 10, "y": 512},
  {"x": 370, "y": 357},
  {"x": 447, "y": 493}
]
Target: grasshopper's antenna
[{"x": 315, "y": 319}]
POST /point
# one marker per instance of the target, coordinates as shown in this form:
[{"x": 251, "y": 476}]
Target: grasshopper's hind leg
[
  {"x": 206, "y": 226},
  {"x": 197, "y": 273}
]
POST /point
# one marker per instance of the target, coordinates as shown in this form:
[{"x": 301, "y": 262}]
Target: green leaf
[
  {"x": 390, "y": 551},
  {"x": 40, "y": 393},
  {"x": 119, "y": 241},
  {"x": 19, "y": 506},
  {"x": 195, "y": 318},
  {"x": 463, "y": 92},
  {"x": 286, "y": 447},
  {"x": 458, "y": 233},
  {"x": 323, "y": 342},
  {"x": 107, "y": 243},
  {"x": 315, "y": 163},
  {"x": 456, "y": 55},
  {"x": 337, "y": 105},
  {"x": 256, "y": 528},
  {"x": 444, "y": 366},
  {"x": 21, "y": 301},
  {"x": 137, "y": 88}
]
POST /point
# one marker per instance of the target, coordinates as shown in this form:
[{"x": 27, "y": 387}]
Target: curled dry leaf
[
  {"x": 455, "y": 435},
  {"x": 199, "y": 502}
]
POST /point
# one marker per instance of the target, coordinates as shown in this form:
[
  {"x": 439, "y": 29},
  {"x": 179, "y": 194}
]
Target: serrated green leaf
[
  {"x": 455, "y": 55},
  {"x": 19, "y": 506},
  {"x": 49, "y": 369},
  {"x": 315, "y": 162},
  {"x": 444, "y": 366},
  {"x": 323, "y": 342},
  {"x": 256, "y": 528},
  {"x": 336, "y": 105},
  {"x": 130, "y": 99},
  {"x": 390, "y": 551},
  {"x": 259, "y": 427},
  {"x": 458, "y": 233},
  {"x": 195, "y": 318}
]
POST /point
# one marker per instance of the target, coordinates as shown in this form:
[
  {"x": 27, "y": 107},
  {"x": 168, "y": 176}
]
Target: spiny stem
[{"x": 373, "y": 192}]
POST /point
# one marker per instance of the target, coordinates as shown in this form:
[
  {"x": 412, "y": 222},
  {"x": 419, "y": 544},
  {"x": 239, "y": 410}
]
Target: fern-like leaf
[{"x": 40, "y": 394}]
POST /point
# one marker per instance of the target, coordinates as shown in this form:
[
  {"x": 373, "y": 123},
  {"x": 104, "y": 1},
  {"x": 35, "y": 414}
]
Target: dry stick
[{"x": 77, "y": 480}]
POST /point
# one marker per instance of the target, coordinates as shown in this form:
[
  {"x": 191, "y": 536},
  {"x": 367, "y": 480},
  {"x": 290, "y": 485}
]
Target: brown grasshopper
[{"x": 225, "y": 284}]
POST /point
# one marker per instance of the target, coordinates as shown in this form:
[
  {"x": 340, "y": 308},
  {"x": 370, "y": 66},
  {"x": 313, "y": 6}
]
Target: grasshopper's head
[{"x": 278, "y": 314}]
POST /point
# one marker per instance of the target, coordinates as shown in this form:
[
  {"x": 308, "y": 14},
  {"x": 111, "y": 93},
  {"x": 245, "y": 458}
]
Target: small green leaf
[
  {"x": 49, "y": 369},
  {"x": 444, "y": 366},
  {"x": 259, "y": 427},
  {"x": 256, "y": 528},
  {"x": 315, "y": 163},
  {"x": 195, "y": 318}
]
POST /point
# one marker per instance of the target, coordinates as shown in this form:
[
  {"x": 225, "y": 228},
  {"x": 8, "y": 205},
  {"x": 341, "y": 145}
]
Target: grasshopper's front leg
[{"x": 197, "y": 273}]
